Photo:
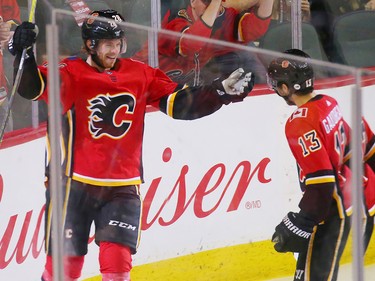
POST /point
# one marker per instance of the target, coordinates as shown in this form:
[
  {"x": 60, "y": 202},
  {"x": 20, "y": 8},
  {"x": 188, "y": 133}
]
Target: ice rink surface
[{"x": 345, "y": 274}]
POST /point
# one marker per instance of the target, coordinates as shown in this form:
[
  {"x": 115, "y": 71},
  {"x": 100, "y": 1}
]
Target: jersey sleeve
[
  {"x": 317, "y": 174},
  {"x": 250, "y": 27},
  {"x": 183, "y": 101},
  {"x": 34, "y": 84},
  {"x": 369, "y": 153},
  {"x": 182, "y": 45},
  {"x": 32, "y": 81}
]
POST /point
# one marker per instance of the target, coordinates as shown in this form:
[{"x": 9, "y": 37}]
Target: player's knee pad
[
  {"x": 72, "y": 268},
  {"x": 114, "y": 258},
  {"x": 125, "y": 276}
]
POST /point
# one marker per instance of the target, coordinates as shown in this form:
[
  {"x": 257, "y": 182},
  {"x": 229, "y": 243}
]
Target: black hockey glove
[
  {"x": 235, "y": 87},
  {"x": 24, "y": 37},
  {"x": 293, "y": 233}
]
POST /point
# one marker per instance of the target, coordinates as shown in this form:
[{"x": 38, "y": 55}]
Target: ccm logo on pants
[{"x": 122, "y": 224}]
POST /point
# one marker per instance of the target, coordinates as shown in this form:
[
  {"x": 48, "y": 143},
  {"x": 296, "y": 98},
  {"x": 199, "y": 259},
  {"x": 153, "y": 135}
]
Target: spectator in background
[
  {"x": 9, "y": 19},
  {"x": 240, "y": 6},
  {"x": 188, "y": 61},
  {"x": 324, "y": 14},
  {"x": 281, "y": 11},
  {"x": 370, "y": 5},
  {"x": 369, "y": 183},
  {"x": 338, "y": 8}
]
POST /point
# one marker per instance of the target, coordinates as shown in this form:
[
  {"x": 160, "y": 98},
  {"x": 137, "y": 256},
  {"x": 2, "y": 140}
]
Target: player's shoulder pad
[
  {"x": 136, "y": 66},
  {"x": 127, "y": 62},
  {"x": 72, "y": 58},
  {"x": 61, "y": 65},
  {"x": 64, "y": 62}
]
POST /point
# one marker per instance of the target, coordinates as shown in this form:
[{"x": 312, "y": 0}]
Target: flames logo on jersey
[{"x": 111, "y": 115}]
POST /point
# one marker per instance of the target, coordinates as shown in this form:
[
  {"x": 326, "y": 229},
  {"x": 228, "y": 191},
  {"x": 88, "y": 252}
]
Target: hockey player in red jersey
[
  {"x": 368, "y": 150},
  {"x": 104, "y": 103},
  {"x": 317, "y": 136},
  {"x": 369, "y": 180}
]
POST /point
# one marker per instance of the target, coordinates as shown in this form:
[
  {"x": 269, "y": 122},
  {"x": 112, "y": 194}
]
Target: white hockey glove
[
  {"x": 235, "y": 87},
  {"x": 237, "y": 81},
  {"x": 293, "y": 233}
]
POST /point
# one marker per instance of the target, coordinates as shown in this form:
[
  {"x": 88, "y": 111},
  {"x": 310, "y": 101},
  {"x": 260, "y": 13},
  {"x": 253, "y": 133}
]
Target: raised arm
[
  {"x": 31, "y": 81},
  {"x": 190, "y": 103},
  {"x": 254, "y": 22},
  {"x": 264, "y": 8},
  {"x": 198, "y": 23}
]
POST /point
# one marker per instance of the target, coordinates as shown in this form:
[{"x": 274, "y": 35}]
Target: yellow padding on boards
[{"x": 253, "y": 261}]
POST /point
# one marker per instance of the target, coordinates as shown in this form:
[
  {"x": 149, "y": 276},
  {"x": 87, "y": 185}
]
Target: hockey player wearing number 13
[
  {"x": 316, "y": 133},
  {"x": 104, "y": 101}
]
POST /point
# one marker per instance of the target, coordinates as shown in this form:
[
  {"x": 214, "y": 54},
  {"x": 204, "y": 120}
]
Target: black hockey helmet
[
  {"x": 297, "y": 74},
  {"x": 105, "y": 26}
]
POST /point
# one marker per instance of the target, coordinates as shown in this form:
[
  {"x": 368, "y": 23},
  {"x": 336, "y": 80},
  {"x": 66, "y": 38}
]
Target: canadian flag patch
[{"x": 299, "y": 113}]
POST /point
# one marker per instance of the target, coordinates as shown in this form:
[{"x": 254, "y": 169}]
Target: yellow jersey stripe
[
  {"x": 106, "y": 182},
  {"x": 318, "y": 180},
  {"x": 370, "y": 153},
  {"x": 42, "y": 87}
]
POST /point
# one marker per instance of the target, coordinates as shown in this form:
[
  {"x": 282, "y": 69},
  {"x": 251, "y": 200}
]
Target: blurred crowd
[{"x": 244, "y": 22}]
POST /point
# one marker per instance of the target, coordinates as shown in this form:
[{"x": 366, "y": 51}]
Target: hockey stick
[{"x": 18, "y": 77}]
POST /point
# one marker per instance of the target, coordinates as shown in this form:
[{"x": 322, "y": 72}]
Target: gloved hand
[
  {"x": 237, "y": 82},
  {"x": 293, "y": 233},
  {"x": 24, "y": 37},
  {"x": 235, "y": 87}
]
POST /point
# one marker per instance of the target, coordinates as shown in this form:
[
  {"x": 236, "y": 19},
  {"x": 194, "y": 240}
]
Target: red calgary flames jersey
[
  {"x": 183, "y": 55},
  {"x": 316, "y": 133},
  {"x": 105, "y": 113},
  {"x": 369, "y": 166}
]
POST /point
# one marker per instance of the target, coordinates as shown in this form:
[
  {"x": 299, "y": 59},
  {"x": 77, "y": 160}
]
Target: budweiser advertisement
[{"x": 223, "y": 180}]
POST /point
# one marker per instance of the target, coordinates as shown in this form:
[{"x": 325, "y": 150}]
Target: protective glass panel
[
  {"x": 368, "y": 174},
  {"x": 213, "y": 188}
]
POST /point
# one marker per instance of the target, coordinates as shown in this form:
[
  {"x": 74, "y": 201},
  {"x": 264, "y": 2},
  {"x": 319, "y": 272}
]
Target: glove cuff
[
  {"x": 29, "y": 57},
  {"x": 220, "y": 91},
  {"x": 224, "y": 97},
  {"x": 307, "y": 219},
  {"x": 297, "y": 223}
]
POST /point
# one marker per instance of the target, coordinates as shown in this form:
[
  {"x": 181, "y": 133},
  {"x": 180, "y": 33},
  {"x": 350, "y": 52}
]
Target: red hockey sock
[
  {"x": 114, "y": 258},
  {"x": 72, "y": 268}
]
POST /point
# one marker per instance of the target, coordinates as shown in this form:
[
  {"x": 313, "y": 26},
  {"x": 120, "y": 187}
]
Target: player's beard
[
  {"x": 288, "y": 101},
  {"x": 108, "y": 63},
  {"x": 103, "y": 63},
  {"x": 286, "y": 98}
]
